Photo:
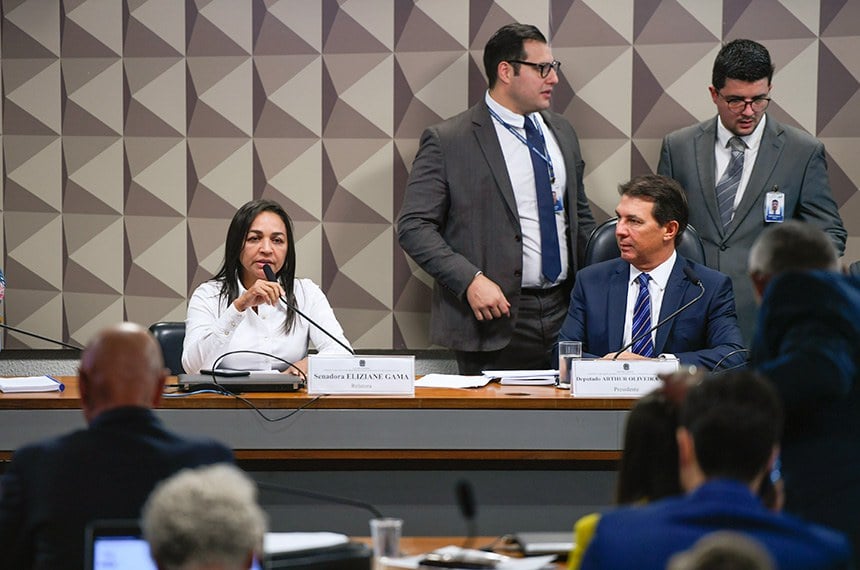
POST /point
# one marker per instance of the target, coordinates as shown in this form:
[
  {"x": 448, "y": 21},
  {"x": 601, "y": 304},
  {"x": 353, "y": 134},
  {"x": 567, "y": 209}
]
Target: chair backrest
[
  {"x": 854, "y": 268},
  {"x": 601, "y": 245},
  {"x": 170, "y": 335}
]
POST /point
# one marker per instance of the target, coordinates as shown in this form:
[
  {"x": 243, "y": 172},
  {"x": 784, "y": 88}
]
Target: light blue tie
[{"x": 642, "y": 319}]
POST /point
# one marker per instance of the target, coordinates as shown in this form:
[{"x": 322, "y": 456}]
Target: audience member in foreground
[
  {"x": 205, "y": 519},
  {"x": 728, "y": 440},
  {"x": 807, "y": 343},
  {"x": 54, "y": 488},
  {"x": 649, "y": 464}
]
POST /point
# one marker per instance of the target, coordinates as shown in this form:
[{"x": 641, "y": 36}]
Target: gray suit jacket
[
  {"x": 459, "y": 216},
  {"x": 789, "y": 159}
]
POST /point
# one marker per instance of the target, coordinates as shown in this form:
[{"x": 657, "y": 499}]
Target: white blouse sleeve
[{"x": 209, "y": 327}]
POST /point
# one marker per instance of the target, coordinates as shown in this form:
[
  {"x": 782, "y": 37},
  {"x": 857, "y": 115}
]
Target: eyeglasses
[
  {"x": 543, "y": 68},
  {"x": 739, "y": 104}
]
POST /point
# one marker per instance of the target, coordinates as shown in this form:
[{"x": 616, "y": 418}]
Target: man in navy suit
[
  {"x": 54, "y": 488},
  {"x": 728, "y": 440},
  {"x": 652, "y": 215},
  {"x": 807, "y": 343}
]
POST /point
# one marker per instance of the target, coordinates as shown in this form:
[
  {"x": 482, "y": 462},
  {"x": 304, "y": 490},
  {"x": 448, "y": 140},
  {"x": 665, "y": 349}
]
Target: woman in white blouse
[{"x": 239, "y": 309}]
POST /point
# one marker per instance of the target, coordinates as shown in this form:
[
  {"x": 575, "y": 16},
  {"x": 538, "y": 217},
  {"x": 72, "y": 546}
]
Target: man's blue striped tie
[{"x": 642, "y": 319}]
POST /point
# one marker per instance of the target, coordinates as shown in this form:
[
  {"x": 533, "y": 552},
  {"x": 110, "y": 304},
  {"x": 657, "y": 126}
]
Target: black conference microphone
[
  {"x": 40, "y": 337},
  {"x": 691, "y": 275},
  {"x": 323, "y": 497},
  {"x": 270, "y": 275},
  {"x": 466, "y": 502}
]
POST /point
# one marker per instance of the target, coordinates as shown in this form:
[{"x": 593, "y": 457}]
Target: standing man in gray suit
[
  {"x": 495, "y": 211},
  {"x": 736, "y": 166}
]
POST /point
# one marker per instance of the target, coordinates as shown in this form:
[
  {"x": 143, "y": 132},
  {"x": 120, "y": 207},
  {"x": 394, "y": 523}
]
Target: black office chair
[
  {"x": 602, "y": 246},
  {"x": 170, "y": 335}
]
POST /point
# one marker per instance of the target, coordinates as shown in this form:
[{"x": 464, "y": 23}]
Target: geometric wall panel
[{"x": 131, "y": 131}]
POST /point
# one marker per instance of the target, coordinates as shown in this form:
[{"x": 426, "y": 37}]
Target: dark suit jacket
[
  {"x": 459, "y": 216},
  {"x": 645, "y": 537},
  {"x": 703, "y": 334},
  {"x": 787, "y": 158},
  {"x": 808, "y": 343},
  {"x": 52, "y": 489}
]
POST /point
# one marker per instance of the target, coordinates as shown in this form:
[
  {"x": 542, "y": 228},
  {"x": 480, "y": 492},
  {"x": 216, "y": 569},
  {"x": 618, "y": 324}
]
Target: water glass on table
[{"x": 567, "y": 351}]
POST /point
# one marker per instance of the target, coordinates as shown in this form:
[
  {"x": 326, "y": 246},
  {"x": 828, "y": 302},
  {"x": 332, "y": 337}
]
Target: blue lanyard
[{"x": 544, "y": 155}]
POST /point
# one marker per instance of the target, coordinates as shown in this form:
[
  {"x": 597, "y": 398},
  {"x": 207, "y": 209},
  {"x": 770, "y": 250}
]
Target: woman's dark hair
[
  {"x": 649, "y": 462},
  {"x": 231, "y": 271}
]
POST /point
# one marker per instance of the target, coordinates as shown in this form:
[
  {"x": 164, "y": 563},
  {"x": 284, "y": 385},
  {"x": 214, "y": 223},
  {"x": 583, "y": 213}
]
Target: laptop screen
[{"x": 119, "y": 545}]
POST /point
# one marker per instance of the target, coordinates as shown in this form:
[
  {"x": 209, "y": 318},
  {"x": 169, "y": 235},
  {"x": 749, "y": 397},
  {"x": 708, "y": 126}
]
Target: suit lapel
[
  {"x": 672, "y": 297},
  {"x": 488, "y": 140},
  {"x": 768, "y": 156},
  {"x": 616, "y": 300},
  {"x": 706, "y": 164}
]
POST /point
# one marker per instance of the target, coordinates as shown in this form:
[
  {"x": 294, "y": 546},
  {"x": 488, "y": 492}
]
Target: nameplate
[
  {"x": 339, "y": 374},
  {"x": 598, "y": 378}
]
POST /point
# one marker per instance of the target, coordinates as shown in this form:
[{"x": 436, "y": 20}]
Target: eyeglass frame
[
  {"x": 751, "y": 102},
  {"x": 543, "y": 68}
]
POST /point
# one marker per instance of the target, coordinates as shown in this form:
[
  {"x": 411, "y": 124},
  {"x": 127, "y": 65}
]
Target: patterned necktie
[
  {"x": 550, "y": 256},
  {"x": 642, "y": 319},
  {"x": 727, "y": 187}
]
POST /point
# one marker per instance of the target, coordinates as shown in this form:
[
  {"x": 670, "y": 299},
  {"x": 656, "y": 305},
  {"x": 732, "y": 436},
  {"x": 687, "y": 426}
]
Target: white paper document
[
  {"x": 278, "y": 542},
  {"x": 523, "y": 377},
  {"x": 31, "y": 384},
  {"x": 451, "y": 381}
]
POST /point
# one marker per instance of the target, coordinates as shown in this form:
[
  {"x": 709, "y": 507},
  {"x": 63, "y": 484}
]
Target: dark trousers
[{"x": 540, "y": 316}]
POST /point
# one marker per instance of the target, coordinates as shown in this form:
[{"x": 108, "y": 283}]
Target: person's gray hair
[
  {"x": 207, "y": 515},
  {"x": 792, "y": 246},
  {"x": 723, "y": 550}
]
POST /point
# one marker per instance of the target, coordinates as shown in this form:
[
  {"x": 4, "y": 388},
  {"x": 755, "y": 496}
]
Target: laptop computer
[
  {"x": 252, "y": 382},
  {"x": 119, "y": 545}
]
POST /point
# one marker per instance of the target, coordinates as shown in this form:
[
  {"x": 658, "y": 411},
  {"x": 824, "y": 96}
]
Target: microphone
[
  {"x": 270, "y": 275},
  {"x": 40, "y": 337},
  {"x": 323, "y": 497},
  {"x": 691, "y": 275},
  {"x": 466, "y": 502}
]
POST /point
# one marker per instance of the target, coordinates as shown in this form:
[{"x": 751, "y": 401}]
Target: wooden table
[
  {"x": 537, "y": 423},
  {"x": 537, "y": 457}
]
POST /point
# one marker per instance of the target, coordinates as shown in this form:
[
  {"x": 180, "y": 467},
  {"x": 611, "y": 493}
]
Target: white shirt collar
[
  {"x": 508, "y": 116},
  {"x": 752, "y": 140},
  {"x": 659, "y": 275}
]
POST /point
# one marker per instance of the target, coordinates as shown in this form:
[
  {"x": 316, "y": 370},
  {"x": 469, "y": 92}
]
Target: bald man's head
[{"x": 121, "y": 366}]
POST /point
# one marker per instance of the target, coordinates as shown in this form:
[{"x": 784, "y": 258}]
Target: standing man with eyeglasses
[
  {"x": 495, "y": 211},
  {"x": 734, "y": 168}
]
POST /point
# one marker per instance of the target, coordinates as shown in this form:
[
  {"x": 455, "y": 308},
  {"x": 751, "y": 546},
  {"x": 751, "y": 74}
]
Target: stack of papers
[
  {"x": 523, "y": 377},
  {"x": 31, "y": 384},
  {"x": 451, "y": 381},
  {"x": 492, "y": 560}
]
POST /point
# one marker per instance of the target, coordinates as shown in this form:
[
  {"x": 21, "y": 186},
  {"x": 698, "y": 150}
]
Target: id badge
[
  {"x": 774, "y": 207},
  {"x": 557, "y": 198}
]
